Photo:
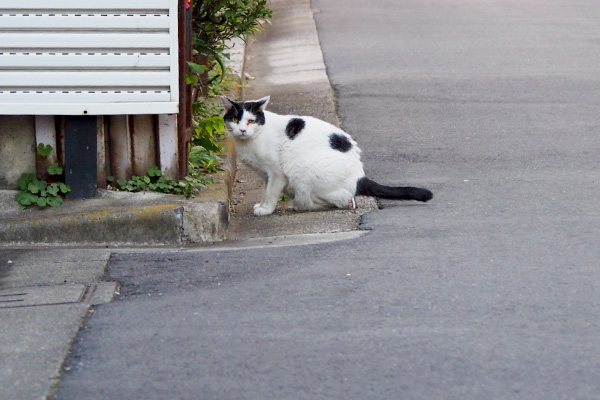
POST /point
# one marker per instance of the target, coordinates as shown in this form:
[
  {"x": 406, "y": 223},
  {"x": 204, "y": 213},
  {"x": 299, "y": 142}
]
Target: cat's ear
[
  {"x": 227, "y": 103},
  {"x": 262, "y": 103}
]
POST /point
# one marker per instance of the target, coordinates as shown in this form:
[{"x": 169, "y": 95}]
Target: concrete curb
[{"x": 124, "y": 219}]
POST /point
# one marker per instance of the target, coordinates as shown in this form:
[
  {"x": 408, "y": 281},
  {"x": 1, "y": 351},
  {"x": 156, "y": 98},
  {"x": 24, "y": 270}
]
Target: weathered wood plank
[
  {"x": 45, "y": 132},
  {"x": 120, "y": 147},
  {"x": 143, "y": 144},
  {"x": 168, "y": 151},
  {"x": 101, "y": 149}
]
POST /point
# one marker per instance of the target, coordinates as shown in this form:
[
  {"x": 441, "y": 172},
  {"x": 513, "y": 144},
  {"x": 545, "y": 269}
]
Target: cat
[{"x": 310, "y": 160}]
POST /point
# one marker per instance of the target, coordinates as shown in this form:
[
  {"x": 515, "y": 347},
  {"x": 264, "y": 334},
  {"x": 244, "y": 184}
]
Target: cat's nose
[{"x": 242, "y": 131}]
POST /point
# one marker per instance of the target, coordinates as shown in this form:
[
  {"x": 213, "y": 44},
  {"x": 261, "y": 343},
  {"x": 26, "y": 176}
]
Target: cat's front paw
[{"x": 259, "y": 210}]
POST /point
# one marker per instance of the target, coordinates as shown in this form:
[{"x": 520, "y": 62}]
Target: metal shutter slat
[{"x": 84, "y": 55}]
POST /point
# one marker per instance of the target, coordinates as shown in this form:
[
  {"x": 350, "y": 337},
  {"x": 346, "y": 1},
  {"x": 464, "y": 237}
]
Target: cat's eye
[
  {"x": 251, "y": 121},
  {"x": 235, "y": 120}
]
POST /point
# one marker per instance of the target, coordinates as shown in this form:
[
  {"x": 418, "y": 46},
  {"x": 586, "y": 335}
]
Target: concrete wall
[{"x": 17, "y": 148}]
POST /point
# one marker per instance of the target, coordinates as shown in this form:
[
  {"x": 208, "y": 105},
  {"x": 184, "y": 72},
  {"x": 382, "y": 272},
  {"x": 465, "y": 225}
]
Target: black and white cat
[{"x": 312, "y": 161}]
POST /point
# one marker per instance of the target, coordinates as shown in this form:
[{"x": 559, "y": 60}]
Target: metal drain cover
[{"x": 42, "y": 295}]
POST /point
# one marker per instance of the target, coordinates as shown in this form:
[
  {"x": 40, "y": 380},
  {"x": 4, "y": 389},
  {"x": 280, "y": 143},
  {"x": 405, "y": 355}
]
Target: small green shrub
[
  {"x": 202, "y": 158},
  {"x": 38, "y": 192},
  {"x": 154, "y": 181},
  {"x": 217, "y": 21}
]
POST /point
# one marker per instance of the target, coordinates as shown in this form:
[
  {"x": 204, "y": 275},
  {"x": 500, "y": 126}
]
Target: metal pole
[{"x": 80, "y": 156}]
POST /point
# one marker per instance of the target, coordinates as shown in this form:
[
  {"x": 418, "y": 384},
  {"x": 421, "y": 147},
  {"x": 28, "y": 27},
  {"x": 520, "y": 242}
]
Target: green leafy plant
[
  {"x": 210, "y": 127},
  {"x": 192, "y": 77},
  {"x": 202, "y": 158},
  {"x": 154, "y": 171},
  {"x": 38, "y": 192},
  {"x": 44, "y": 150},
  {"x": 215, "y": 22},
  {"x": 154, "y": 181},
  {"x": 55, "y": 169},
  {"x": 205, "y": 144}
]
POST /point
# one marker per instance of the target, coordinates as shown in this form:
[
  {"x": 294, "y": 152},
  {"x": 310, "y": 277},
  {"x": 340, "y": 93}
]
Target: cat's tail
[{"x": 367, "y": 187}]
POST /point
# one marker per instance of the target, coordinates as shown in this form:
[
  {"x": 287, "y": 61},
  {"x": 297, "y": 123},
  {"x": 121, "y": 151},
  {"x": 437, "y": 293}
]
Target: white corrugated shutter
[{"x": 73, "y": 57}]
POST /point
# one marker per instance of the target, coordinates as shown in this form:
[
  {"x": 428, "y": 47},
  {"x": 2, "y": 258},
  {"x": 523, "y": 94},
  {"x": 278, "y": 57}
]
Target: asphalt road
[{"x": 490, "y": 291}]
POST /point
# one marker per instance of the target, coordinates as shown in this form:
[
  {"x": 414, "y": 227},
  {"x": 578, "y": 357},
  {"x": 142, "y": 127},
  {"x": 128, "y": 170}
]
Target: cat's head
[{"x": 244, "y": 119}]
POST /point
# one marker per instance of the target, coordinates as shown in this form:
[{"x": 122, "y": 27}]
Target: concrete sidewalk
[{"x": 45, "y": 295}]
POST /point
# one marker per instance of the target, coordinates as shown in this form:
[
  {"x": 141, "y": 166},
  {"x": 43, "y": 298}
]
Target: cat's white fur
[{"x": 306, "y": 168}]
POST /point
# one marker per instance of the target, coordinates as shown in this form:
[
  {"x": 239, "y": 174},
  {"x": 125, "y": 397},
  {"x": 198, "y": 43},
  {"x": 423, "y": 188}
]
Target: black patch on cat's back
[
  {"x": 339, "y": 142},
  {"x": 294, "y": 127}
]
